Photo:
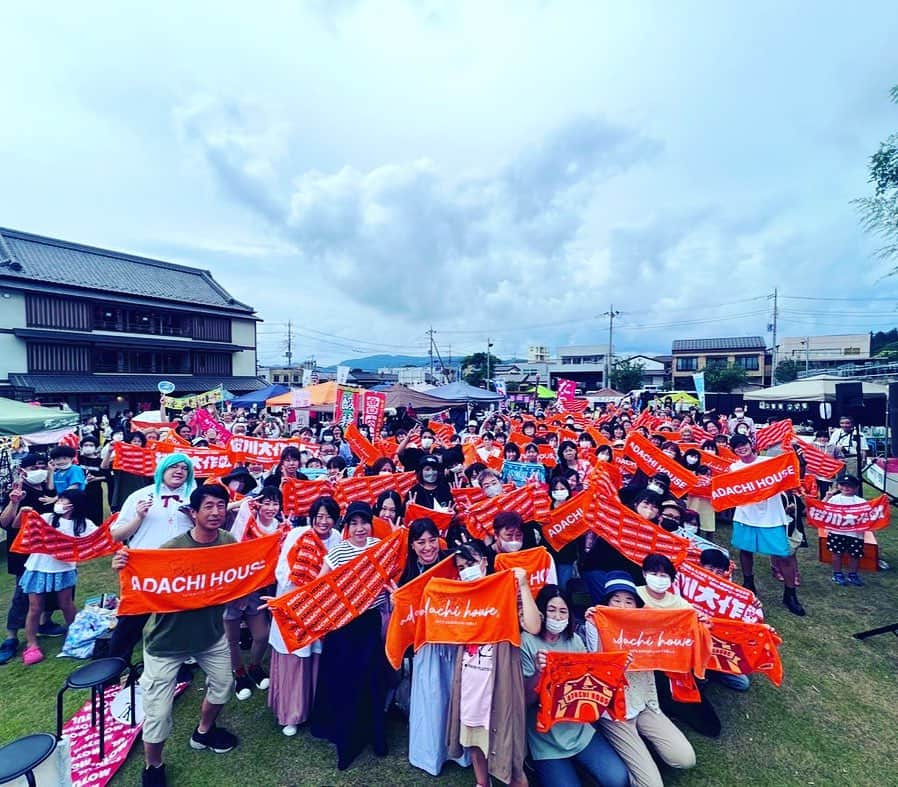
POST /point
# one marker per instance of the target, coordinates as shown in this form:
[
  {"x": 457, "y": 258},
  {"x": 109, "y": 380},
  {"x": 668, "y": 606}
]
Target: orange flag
[
  {"x": 652, "y": 460},
  {"x": 579, "y": 687},
  {"x": 368, "y": 487},
  {"x": 329, "y": 602},
  {"x": 658, "y": 639},
  {"x": 760, "y": 480},
  {"x": 530, "y": 501},
  {"x": 361, "y": 446},
  {"x": 716, "y": 596},
  {"x": 570, "y": 520},
  {"x": 442, "y": 519},
  {"x": 633, "y": 536},
  {"x": 537, "y": 562},
  {"x": 407, "y": 610},
  {"x": 739, "y": 648},
  {"x": 466, "y": 613},
  {"x": 299, "y": 495},
  {"x": 175, "y": 580},
  {"x": 36, "y": 536}
]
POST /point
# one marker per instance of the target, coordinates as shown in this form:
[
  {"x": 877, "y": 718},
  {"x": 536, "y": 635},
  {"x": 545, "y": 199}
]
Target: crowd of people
[{"x": 473, "y": 704}]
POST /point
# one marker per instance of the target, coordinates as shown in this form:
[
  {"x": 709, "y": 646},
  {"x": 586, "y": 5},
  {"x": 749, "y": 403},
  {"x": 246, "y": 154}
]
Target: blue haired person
[{"x": 150, "y": 517}]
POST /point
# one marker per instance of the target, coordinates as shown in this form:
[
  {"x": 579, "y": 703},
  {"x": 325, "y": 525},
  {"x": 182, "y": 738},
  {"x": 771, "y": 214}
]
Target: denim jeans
[
  {"x": 565, "y": 572},
  {"x": 598, "y": 759}
]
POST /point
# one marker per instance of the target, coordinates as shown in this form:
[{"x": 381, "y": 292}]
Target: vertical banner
[
  {"x": 699, "y": 380},
  {"x": 567, "y": 389},
  {"x": 306, "y": 377},
  {"x": 373, "y": 405},
  {"x": 300, "y": 398},
  {"x": 342, "y": 375},
  {"x": 345, "y": 407},
  {"x": 501, "y": 388}
]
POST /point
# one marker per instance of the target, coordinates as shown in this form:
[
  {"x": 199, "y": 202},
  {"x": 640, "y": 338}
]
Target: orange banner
[
  {"x": 368, "y": 487},
  {"x": 470, "y": 613},
  {"x": 530, "y": 501},
  {"x": 408, "y": 610},
  {"x": 856, "y": 518},
  {"x": 658, "y": 639},
  {"x": 361, "y": 446},
  {"x": 570, "y": 520},
  {"x": 739, "y": 648},
  {"x": 299, "y": 495},
  {"x": 819, "y": 463},
  {"x": 537, "y": 562},
  {"x": 717, "y": 596},
  {"x": 442, "y": 519},
  {"x": 247, "y": 449},
  {"x": 760, "y": 480},
  {"x": 633, "y": 536},
  {"x": 329, "y": 602},
  {"x": 652, "y": 460},
  {"x": 773, "y": 434},
  {"x": 138, "y": 460},
  {"x": 175, "y": 580},
  {"x": 35, "y": 536},
  {"x": 578, "y": 687}
]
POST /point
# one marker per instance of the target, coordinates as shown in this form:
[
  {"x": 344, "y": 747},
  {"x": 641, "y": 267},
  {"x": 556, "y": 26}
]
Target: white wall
[
  {"x": 244, "y": 332},
  {"x": 13, "y": 352}
]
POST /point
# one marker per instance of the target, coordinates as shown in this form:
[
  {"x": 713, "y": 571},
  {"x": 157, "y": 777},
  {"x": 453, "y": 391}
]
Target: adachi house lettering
[
  {"x": 749, "y": 487},
  {"x": 190, "y": 584}
]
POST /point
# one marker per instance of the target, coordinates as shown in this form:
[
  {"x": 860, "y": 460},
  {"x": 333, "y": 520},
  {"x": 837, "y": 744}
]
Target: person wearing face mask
[
  {"x": 432, "y": 666},
  {"x": 46, "y": 574},
  {"x": 489, "y": 482},
  {"x": 29, "y": 491},
  {"x": 554, "y": 753},
  {"x": 65, "y": 474},
  {"x": 739, "y": 417},
  {"x": 645, "y": 721},
  {"x": 89, "y": 460},
  {"x": 383, "y": 466},
  {"x": 432, "y": 490},
  {"x": 487, "y": 712},
  {"x": 566, "y": 557},
  {"x": 658, "y": 593}
]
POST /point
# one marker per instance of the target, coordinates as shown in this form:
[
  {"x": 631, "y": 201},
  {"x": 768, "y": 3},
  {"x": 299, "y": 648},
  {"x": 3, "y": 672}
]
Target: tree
[
  {"x": 723, "y": 378},
  {"x": 879, "y": 212},
  {"x": 786, "y": 371},
  {"x": 626, "y": 375},
  {"x": 473, "y": 368}
]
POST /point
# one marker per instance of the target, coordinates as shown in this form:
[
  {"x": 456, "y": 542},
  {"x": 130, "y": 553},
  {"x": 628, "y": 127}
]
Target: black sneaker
[
  {"x": 244, "y": 687},
  {"x": 259, "y": 677},
  {"x": 218, "y": 739},
  {"x": 51, "y": 629},
  {"x": 154, "y": 777}
]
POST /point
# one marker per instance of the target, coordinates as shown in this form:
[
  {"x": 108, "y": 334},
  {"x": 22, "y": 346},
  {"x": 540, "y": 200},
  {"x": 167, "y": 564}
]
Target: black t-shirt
[{"x": 15, "y": 562}]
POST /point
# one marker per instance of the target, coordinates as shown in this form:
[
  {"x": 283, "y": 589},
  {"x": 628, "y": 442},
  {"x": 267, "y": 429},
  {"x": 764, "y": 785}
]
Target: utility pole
[
  {"x": 430, "y": 353},
  {"x": 489, "y": 347},
  {"x": 807, "y": 353},
  {"x": 610, "y": 314},
  {"x": 289, "y": 353},
  {"x": 773, "y": 330}
]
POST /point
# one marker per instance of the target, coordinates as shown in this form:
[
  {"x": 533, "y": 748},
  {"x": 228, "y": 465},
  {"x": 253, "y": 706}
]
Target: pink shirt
[{"x": 476, "y": 685}]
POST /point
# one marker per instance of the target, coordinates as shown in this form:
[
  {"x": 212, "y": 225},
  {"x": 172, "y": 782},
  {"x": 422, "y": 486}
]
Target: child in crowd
[
  {"x": 842, "y": 544},
  {"x": 66, "y": 474}
]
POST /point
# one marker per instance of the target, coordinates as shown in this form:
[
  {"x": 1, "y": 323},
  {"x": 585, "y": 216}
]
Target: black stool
[
  {"x": 95, "y": 676},
  {"x": 21, "y": 757}
]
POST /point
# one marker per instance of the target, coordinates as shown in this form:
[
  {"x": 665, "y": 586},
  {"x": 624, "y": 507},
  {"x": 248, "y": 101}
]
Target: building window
[
  {"x": 687, "y": 364},
  {"x": 58, "y": 358},
  {"x": 748, "y": 362}
]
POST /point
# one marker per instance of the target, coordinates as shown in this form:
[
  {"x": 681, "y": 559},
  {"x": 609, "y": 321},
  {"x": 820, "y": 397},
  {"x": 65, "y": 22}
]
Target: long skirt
[
  {"x": 352, "y": 687},
  {"x": 292, "y": 689},
  {"x": 432, "y": 670}
]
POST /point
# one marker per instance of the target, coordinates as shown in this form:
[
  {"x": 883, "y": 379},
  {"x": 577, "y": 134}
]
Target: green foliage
[
  {"x": 882, "y": 340},
  {"x": 626, "y": 375},
  {"x": 723, "y": 378},
  {"x": 786, "y": 371},
  {"x": 879, "y": 212},
  {"x": 473, "y": 368}
]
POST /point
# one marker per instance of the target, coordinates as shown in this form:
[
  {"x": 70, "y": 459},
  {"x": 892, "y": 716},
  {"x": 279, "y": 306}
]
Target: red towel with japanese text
[
  {"x": 35, "y": 536},
  {"x": 758, "y": 481}
]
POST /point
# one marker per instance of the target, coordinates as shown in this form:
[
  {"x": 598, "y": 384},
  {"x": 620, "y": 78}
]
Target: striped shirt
[{"x": 346, "y": 552}]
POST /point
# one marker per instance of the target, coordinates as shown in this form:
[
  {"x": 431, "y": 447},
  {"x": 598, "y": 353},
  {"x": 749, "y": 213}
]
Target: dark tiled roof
[
  {"x": 129, "y": 383},
  {"x": 133, "y": 342},
  {"x": 63, "y": 263},
  {"x": 725, "y": 343}
]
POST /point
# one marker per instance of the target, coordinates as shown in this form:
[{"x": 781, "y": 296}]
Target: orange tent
[{"x": 323, "y": 395}]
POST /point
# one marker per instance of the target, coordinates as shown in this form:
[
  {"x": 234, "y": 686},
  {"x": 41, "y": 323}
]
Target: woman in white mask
[
  {"x": 556, "y": 752},
  {"x": 560, "y": 492}
]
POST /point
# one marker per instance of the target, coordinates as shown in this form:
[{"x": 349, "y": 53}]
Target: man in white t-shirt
[
  {"x": 761, "y": 527},
  {"x": 845, "y": 440}
]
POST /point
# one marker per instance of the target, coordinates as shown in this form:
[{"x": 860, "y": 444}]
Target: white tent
[{"x": 820, "y": 388}]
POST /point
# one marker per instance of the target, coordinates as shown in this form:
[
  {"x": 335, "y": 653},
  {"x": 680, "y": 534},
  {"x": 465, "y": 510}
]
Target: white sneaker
[{"x": 289, "y": 730}]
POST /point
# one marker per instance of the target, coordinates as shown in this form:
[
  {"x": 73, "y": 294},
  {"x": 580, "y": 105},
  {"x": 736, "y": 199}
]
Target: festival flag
[
  {"x": 408, "y": 609},
  {"x": 464, "y": 613},
  {"x": 195, "y": 401},
  {"x": 570, "y": 520},
  {"x": 855, "y": 518},
  {"x": 819, "y": 463},
  {"x": 716, "y": 596},
  {"x": 537, "y": 562},
  {"x": 578, "y": 687},
  {"x": 345, "y": 409},
  {"x": 633, "y": 536},
  {"x": 333, "y": 600},
  {"x": 368, "y": 487},
  {"x": 565, "y": 389},
  {"x": 298, "y": 495},
  {"x": 373, "y": 406},
  {"x": 740, "y": 648},
  {"x": 203, "y": 421},
  {"x": 652, "y": 460},
  {"x": 670, "y": 640},
  {"x": 773, "y": 434},
  {"x": 758, "y": 481},
  {"x": 35, "y": 536},
  {"x": 175, "y": 580}
]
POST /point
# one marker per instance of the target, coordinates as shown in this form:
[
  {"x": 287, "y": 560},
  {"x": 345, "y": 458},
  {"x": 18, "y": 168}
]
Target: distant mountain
[{"x": 371, "y": 363}]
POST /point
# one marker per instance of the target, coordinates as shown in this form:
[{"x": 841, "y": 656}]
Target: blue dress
[{"x": 432, "y": 670}]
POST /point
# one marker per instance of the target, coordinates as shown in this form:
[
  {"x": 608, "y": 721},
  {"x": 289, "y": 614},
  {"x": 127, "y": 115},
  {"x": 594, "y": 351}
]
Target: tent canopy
[
  {"x": 544, "y": 393},
  {"x": 402, "y": 396},
  {"x": 260, "y": 397},
  {"x": 321, "y": 395},
  {"x": 463, "y": 393},
  {"x": 605, "y": 395},
  {"x": 682, "y": 396},
  {"x": 821, "y": 388},
  {"x": 20, "y": 419}
]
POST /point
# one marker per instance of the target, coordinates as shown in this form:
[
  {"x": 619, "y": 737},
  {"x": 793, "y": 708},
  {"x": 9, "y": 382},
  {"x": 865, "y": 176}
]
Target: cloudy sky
[{"x": 368, "y": 170}]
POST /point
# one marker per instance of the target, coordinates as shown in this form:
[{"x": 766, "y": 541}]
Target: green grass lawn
[{"x": 832, "y": 722}]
